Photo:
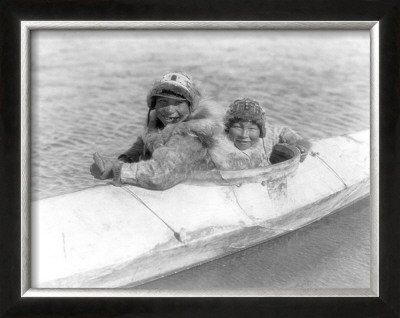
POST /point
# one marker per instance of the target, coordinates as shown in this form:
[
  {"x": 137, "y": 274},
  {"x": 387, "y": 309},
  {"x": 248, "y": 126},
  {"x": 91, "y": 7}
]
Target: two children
[{"x": 184, "y": 134}]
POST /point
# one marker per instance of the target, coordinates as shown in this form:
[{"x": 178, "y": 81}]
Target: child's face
[
  {"x": 244, "y": 134},
  {"x": 171, "y": 111}
]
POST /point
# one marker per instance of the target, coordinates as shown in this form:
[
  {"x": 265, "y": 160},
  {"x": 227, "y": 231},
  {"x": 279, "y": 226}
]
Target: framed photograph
[{"x": 104, "y": 226}]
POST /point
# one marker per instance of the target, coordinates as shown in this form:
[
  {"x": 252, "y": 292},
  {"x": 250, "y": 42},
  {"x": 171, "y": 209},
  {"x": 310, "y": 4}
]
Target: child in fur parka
[
  {"x": 247, "y": 141},
  {"x": 179, "y": 133},
  {"x": 180, "y": 89}
]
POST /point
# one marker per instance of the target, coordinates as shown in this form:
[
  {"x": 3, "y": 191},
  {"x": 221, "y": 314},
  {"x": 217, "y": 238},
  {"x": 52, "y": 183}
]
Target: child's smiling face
[
  {"x": 244, "y": 134},
  {"x": 170, "y": 110}
]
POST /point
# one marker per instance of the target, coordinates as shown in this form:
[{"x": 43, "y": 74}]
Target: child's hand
[
  {"x": 303, "y": 152},
  {"x": 102, "y": 168}
]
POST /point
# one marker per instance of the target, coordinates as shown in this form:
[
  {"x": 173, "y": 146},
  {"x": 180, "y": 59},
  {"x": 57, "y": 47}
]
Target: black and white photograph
[{"x": 200, "y": 160}]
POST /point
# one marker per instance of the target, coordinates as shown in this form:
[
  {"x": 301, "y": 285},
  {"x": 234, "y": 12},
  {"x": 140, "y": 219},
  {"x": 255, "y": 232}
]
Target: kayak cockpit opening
[
  {"x": 284, "y": 162},
  {"x": 283, "y": 152}
]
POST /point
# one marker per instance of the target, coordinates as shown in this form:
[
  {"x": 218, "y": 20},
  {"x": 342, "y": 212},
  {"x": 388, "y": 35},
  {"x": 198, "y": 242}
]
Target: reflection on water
[{"x": 89, "y": 94}]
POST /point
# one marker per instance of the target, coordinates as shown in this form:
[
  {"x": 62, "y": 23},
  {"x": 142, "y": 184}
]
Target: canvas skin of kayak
[{"x": 114, "y": 237}]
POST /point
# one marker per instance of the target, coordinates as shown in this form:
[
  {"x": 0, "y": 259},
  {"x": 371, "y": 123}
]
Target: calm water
[{"x": 89, "y": 94}]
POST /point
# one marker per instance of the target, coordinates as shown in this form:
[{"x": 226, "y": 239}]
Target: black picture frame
[{"x": 12, "y": 12}]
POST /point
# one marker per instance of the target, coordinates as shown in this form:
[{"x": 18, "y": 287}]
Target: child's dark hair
[{"x": 169, "y": 92}]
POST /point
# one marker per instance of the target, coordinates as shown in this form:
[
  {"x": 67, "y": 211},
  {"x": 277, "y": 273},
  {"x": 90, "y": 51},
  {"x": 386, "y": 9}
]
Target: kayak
[{"x": 114, "y": 237}]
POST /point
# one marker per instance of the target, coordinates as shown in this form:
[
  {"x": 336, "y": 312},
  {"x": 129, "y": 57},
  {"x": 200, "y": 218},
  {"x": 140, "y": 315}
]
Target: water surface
[{"x": 89, "y": 94}]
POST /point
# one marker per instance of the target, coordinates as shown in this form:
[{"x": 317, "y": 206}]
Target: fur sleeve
[
  {"x": 291, "y": 137},
  {"x": 170, "y": 164}
]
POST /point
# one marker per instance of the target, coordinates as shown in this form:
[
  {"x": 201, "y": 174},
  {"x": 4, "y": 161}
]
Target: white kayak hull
[{"x": 108, "y": 237}]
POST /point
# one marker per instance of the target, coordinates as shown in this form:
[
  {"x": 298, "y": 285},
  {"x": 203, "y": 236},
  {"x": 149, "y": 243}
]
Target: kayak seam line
[
  {"x": 154, "y": 213},
  {"x": 237, "y": 201},
  {"x": 316, "y": 154},
  {"x": 236, "y": 198}
]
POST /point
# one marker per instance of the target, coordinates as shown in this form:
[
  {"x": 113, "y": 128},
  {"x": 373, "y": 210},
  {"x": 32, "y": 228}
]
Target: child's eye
[{"x": 161, "y": 103}]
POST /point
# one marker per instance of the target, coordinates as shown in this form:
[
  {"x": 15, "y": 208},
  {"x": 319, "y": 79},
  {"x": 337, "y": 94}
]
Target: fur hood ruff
[{"x": 204, "y": 123}]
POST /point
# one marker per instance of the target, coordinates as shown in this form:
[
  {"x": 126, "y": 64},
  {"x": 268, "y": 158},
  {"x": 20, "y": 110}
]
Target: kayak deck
[{"x": 110, "y": 236}]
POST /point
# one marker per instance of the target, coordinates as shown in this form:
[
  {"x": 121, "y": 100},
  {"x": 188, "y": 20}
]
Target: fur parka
[{"x": 176, "y": 150}]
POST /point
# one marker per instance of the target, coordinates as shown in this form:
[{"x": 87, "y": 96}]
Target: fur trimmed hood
[{"x": 205, "y": 122}]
